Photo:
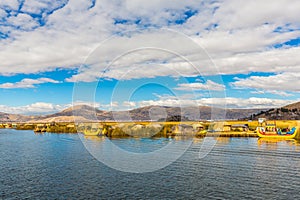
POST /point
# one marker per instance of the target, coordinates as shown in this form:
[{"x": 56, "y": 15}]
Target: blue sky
[{"x": 127, "y": 54}]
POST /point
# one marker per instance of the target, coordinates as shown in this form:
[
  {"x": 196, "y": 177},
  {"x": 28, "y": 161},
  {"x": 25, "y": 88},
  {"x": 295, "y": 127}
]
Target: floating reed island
[{"x": 153, "y": 129}]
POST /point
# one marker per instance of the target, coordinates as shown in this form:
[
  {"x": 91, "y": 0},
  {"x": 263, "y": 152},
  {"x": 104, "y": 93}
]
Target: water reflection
[
  {"x": 223, "y": 140},
  {"x": 94, "y": 137},
  {"x": 275, "y": 144},
  {"x": 197, "y": 140},
  {"x": 56, "y": 166}
]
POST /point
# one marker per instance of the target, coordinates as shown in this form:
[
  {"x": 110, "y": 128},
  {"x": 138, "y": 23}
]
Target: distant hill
[
  {"x": 192, "y": 113},
  {"x": 78, "y": 110},
  {"x": 288, "y": 112},
  {"x": 78, "y": 113},
  {"x": 88, "y": 113},
  {"x": 6, "y": 117},
  {"x": 293, "y": 106}
]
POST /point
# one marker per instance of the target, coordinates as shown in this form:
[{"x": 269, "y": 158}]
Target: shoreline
[{"x": 228, "y": 128}]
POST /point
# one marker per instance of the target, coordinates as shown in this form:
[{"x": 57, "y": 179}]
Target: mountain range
[
  {"x": 289, "y": 112},
  {"x": 82, "y": 113}
]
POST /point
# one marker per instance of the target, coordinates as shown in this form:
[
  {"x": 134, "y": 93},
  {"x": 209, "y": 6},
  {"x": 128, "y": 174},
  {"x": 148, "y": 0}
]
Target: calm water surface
[{"x": 57, "y": 166}]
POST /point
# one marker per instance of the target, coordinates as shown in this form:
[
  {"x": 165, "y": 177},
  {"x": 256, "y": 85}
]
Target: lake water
[{"x": 58, "y": 166}]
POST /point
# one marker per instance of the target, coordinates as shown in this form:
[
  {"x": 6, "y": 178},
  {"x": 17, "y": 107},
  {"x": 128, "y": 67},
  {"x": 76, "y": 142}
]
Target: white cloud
[
  {"x": 235, "y": 14},
  {"x": 92, "y": 104},
  {"x": 118, "y": 106},
  {"x": 280, "y": 93},
  {"x": 275, "y": 84},
  {"x": 41, "y": 108},
  {"x": 3, "y": 14},
  {"x": 27, "y": 83},
  {"x": 238, "y": 44},
  {"x": 247, "y": 40},
  {"x": 12, "y": 4},
  {"x": 239, "y": 37},
  {"x": 209, "y": 85},
  {"x": 252, "y": 102},
  {"x": 26, "y": 22},
  {"x": 228, "y": 102},
  {"x": 273, "y": 60},
  {"x": 159, "y": 63},
  {"x": 129, "y": 104},
  {"x": 38, "y": 6},
  {"x": 38, "y": 108},
  {"x": 63, "y": 42},
  {"x": 145, "y": 54},
  {"x": 114, "y": 105}
]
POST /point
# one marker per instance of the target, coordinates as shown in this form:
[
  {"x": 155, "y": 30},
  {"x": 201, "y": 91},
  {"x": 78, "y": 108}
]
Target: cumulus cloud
[
  {"x": 37, "y": 108},
  {"x": 275, "y": 84},
  {"x": 209, "y": 85},
  {"x": 246, "y": 40},
  {"x": 272, "y": 60},
  {"x": 228, "y": 102},
  {"x": 91, "y": 104},
  {"x": 219, "y": 102},
  {"x": 145, "y": 54},
  {"x": 22, "y": 20},
  {"x": 237, "y": 41},
  {"x": 235, "y": 14},
  {"x": 129, "y": 104},
  {"x": 280, "y": 93},
  {"x": 13, "y": 4},
  {"x": 114, "y": 105},
  {"x": 41, "y": 6},
  {"x": 240, "y": 38},
  {"x": 27, "y": 83},
  {"x": 41, "y": 108},
  {"x": 252, "y": 102}
]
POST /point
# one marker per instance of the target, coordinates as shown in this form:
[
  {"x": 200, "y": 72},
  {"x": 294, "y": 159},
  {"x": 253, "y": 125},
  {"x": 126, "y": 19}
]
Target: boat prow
[
  {"x": 92, "y": 129},
  {"x": 92, "y": 132}
]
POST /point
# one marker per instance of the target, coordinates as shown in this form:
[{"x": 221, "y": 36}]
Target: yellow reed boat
[
  {"x": 40, "y": 128},
  {"x": 92, "y": 130},
  {"x": 276, "y": 133}
]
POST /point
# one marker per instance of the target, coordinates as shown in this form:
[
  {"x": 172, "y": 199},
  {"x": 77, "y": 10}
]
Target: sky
[{"x": 120, "y": 55}]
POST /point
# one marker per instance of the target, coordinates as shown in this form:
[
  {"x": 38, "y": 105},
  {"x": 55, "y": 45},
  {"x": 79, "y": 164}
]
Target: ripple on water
[{"x": 57, "y": 166}]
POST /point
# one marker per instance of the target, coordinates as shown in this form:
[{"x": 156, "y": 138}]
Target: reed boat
[
  {"x": 276, "y": 133},
  {"x": 40, "y": 128},
  {"x": 270, "y": 130},
  {"x": 92, "y": 130},
  {"x": 202, "y": 132}
]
